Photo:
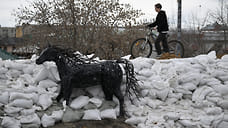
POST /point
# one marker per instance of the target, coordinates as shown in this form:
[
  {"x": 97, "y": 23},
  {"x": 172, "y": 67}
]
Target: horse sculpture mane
[
  {"x": 76, "y": 71},
  {"x": 73, "y": 57}
]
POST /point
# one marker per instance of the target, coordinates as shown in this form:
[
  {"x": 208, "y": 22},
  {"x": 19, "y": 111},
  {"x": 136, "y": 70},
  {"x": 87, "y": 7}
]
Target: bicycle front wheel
[
  {"x": 176, "y": 48},
  {"x": 141, "y": 48}
]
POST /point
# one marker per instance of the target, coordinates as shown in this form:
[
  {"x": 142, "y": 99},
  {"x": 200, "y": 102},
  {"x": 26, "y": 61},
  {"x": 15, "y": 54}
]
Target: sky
[{"x": 190, "y": 8}]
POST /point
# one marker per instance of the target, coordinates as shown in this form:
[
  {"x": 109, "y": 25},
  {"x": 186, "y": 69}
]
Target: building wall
[
  {"x": 19, "y": 32},
  {"x": 7, "y": 32}
]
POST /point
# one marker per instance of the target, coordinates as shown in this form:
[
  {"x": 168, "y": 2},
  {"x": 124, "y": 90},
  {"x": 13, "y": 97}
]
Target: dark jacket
[{"x": 161, "y": 22}]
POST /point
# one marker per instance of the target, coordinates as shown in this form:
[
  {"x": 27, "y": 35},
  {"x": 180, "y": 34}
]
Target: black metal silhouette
[{"x": 78, "y": 72}]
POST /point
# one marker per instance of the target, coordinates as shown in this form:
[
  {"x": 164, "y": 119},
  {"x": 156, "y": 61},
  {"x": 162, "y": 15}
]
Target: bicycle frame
[{"x": 148, "y": 35}]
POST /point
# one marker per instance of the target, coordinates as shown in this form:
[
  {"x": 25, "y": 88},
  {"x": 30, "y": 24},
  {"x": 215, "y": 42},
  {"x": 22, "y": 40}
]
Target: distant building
[
  {"x": 9, "y": 43},
  {"x": 24, "y": 30},
  {"x": 7, "y": 32},
  {"x": 215, "y": 37}
]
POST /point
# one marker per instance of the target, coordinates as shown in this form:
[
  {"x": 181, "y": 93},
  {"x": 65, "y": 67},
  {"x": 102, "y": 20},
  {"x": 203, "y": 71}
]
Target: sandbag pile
[
  {"x": 28, "y": 92},
  {"x": 190, "y": 92}
]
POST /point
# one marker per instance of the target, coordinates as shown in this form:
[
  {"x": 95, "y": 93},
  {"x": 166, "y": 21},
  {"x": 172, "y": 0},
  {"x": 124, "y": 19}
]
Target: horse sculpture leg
[
  {"x": 60, "y": 93},
  {"x": 108, "y": 92},
  {"x": 67, "y": 89},
  {"x": 120, "y": 97}
]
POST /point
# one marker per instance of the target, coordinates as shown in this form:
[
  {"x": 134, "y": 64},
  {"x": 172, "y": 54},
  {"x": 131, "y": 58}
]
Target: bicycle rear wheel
[
  {"x": 176, "y": 47},
  {"x": 141, "y": 48}
]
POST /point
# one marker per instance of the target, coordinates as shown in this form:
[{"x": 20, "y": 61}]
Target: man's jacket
[{"x": 161, "y": 22}]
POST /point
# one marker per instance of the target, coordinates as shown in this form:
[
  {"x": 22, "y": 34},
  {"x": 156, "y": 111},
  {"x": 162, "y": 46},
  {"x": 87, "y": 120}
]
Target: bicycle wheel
[
  {"x": 176, "y": 47},
  {"x": 141, "y": 48}
]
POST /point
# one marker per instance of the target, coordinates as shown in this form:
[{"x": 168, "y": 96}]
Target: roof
[{"x": 215, "y": 27}]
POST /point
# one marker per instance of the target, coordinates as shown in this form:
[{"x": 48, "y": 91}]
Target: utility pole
[
  {"x": 227, "y": 14},
  {"x": 179, "y": 20}
]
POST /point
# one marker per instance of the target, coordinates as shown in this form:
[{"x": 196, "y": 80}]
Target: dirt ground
[{"x": 105, "y": 123}]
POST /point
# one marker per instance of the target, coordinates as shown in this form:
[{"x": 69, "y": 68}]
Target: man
[{"x": 161, "y": 25}]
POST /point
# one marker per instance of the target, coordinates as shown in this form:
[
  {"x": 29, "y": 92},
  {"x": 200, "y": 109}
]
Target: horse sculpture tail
[{"x": 132, "y": 86}]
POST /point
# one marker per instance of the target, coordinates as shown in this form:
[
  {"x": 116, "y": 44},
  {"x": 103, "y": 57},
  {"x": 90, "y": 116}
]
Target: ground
[{"x": 105, "y": 123}]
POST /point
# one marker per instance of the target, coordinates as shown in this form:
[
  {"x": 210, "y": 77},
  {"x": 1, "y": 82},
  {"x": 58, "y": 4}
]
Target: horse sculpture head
[{"x": 48, "y": 54}]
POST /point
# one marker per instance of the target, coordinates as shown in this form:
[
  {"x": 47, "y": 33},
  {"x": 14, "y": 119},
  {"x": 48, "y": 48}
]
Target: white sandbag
[
  {"x": 30, "y": 119},
  {"x": 223, "y": 124},
  {"x": 108, "y": 113},
  {"x": 171, "y": 116},
  {"x": 224, "y": 58},
  {"x": 140, "y": 63},
  {"x": 162, "y": 94},
  {"x": 191, "y": 77},
  {"x": 28, "y": 69},
  {"x": 144, "y": 92},
  {"x": 135, "y": 120},
  {"x": 223, "y": 104},
  {"x": 154, "y": 103},
  {"x": 16, "y": 66},
  {"x": 4, "y": 98},
  {"x": 223, "y": 78},
  {"x": 225, "y": 117},
  {"x": 45, "y": 101},
  {"x": 213, "y": 99},
  {"x": 27, "y": 78},
  {"x": 96, "y": 101},
  {"x": 47, "y": 121},
  {"x": 41, "y": 75},
  {"x": 189, "y": 86},
  {"x": 47, "y": 84},
  {"x": 10, "y": 110},
  {"x": 57, "y": 115},
  {"x": 23, "y": 103},
  {"x": 10, "y": 122},
  {"x": 188, "y": 123},
  {"x": 26, "y": 112},
  {"x": 175, "y": 95},
  {"x": 71, "y": 116},
  {"x": 200, "y": 93},
  {"x": 3, "y": 70},
  {"x": 13, "y": 74},
  {"x": 146, "y": 72},
  {"x": 79, "y": 102},
  {"x": 183, "y": 91},
  {"x": 213, "y": 110},
  {"x": 18, "y": 95},
  {"x": 218, "y": 73},
  {"x": 217, "y": 120},
  {"x": 221, "y": 89},
  {"x": 95, "y": 91},
  {"x": 93, "y": 114},
  {"x": 53, "y": 73}
]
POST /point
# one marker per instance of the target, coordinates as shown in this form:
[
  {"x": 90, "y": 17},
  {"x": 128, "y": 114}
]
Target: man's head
[{"x": 158, "y": 7}]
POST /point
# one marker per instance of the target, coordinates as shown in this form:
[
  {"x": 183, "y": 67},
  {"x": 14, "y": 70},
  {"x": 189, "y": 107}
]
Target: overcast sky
[{"x": 189, "y": 7}]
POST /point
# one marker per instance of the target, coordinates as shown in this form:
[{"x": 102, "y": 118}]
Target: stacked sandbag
[
  {"x": 189, "y": 92},
  {"x": 28, "y": 93}
]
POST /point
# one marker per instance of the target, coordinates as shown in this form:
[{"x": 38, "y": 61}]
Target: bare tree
[
  {"x": 85, "y": 25},
  {"x": 221, "y": 14}
]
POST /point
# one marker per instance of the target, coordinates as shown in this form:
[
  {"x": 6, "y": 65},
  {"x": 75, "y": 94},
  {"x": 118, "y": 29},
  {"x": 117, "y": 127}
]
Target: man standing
[{"x": 161, "y": 25}]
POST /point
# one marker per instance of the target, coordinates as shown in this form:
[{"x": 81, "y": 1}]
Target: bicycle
[{"x": 142, "y": 47}]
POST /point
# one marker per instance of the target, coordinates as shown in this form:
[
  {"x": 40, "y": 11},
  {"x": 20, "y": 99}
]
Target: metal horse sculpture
[{"x": 76, "y": 72}]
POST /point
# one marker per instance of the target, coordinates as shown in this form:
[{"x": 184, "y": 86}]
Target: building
[
  {"x": 8, "y": 39},
  {"x": 6, "y": 32},
  {"x": 215, "y": 38}
]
